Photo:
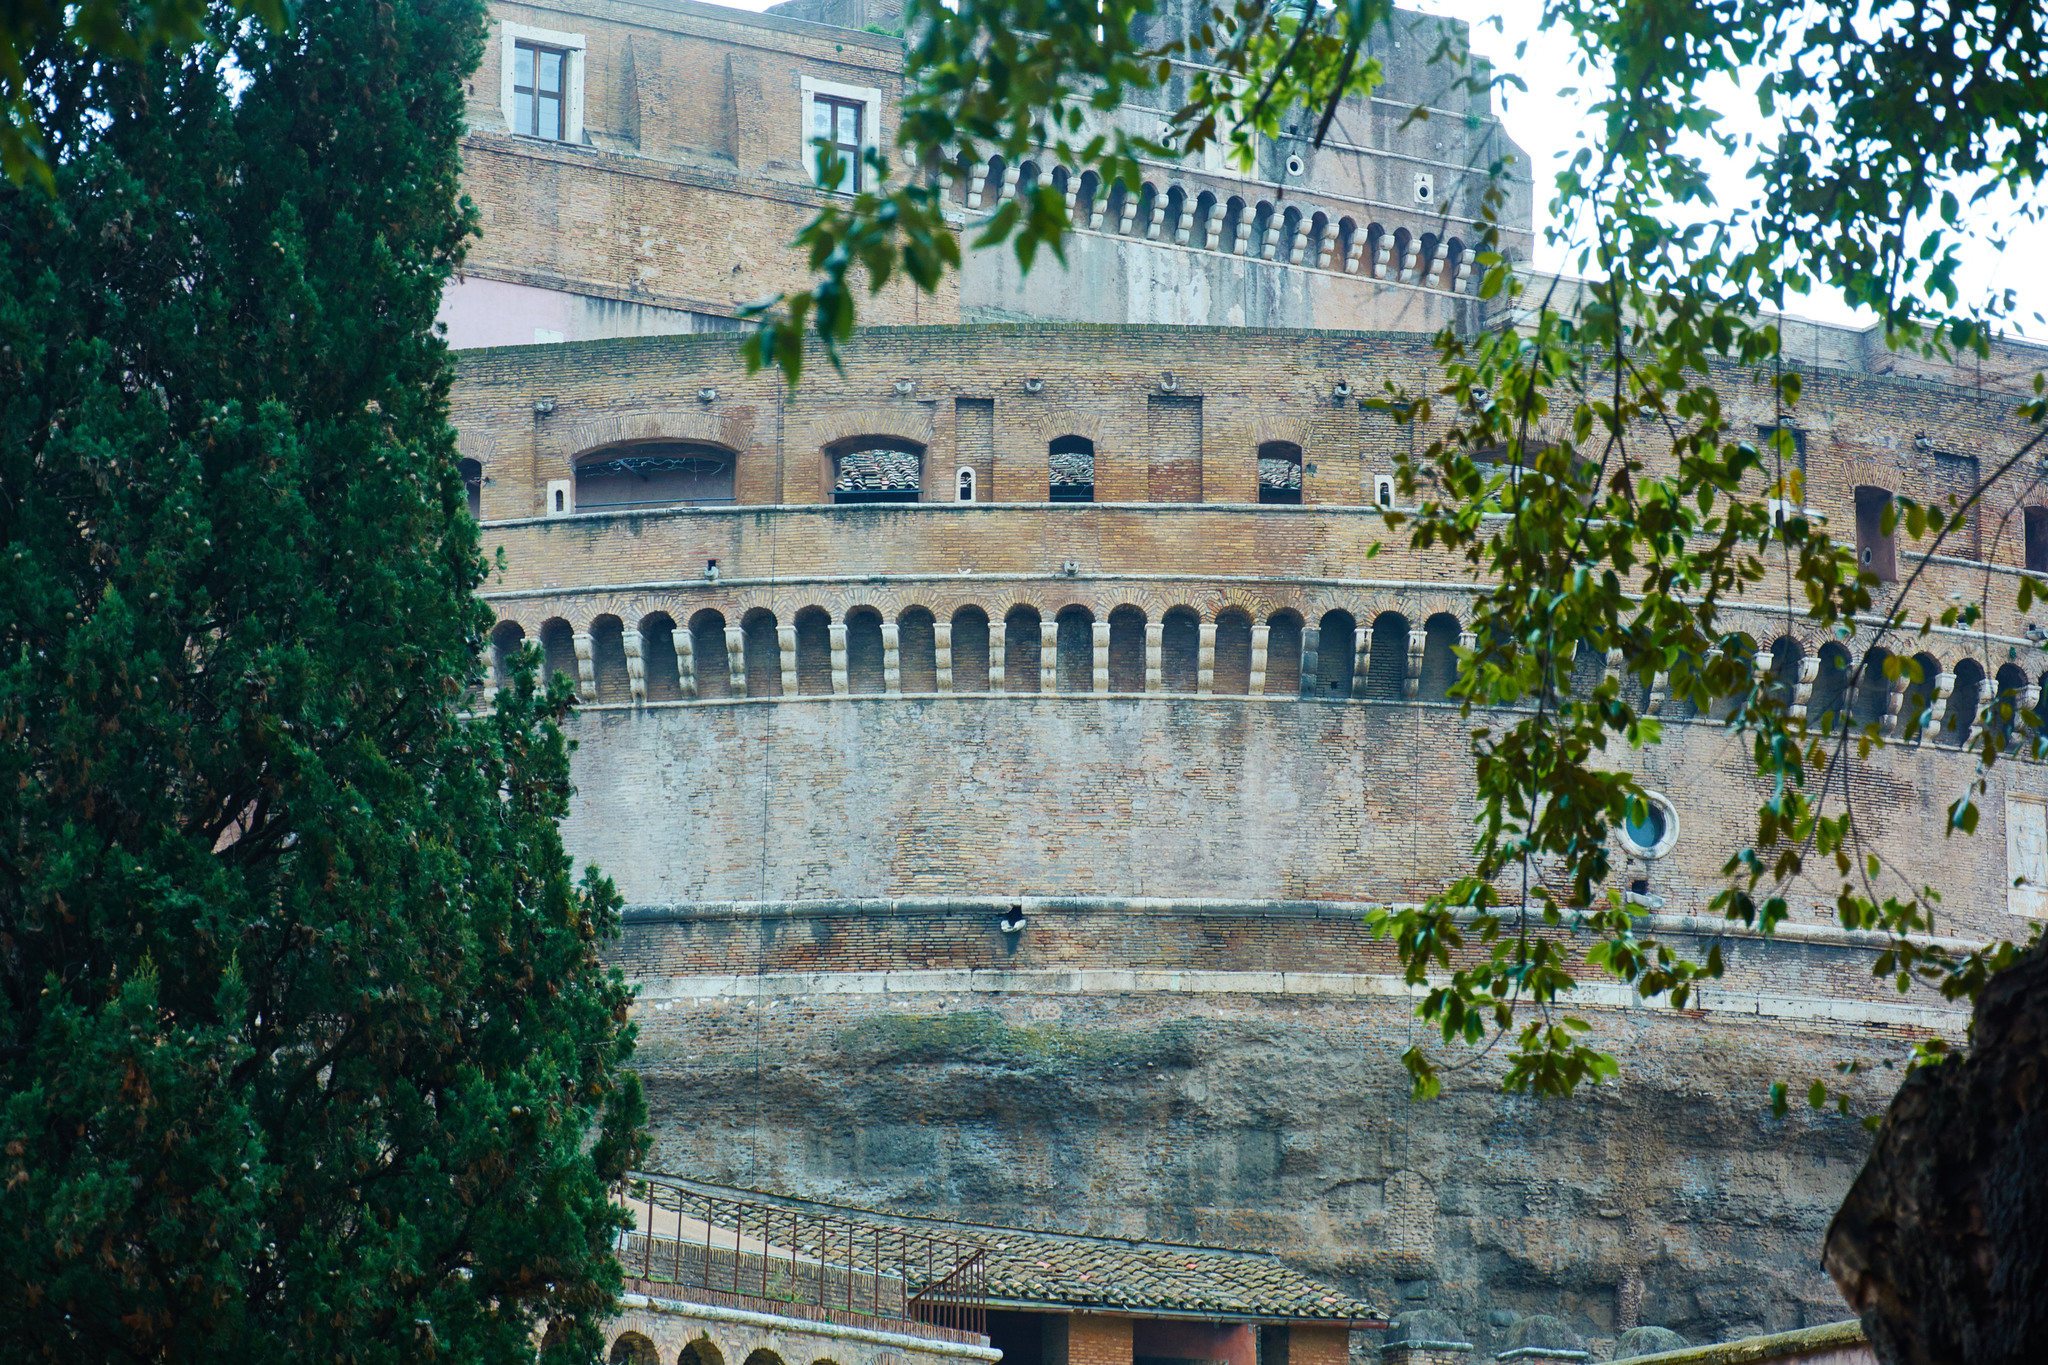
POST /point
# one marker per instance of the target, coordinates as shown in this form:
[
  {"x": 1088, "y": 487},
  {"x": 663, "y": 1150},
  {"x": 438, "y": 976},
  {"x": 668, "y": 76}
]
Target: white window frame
[
  {"x": 869, "y": 97},
  {"x": 572, "y": 44}
]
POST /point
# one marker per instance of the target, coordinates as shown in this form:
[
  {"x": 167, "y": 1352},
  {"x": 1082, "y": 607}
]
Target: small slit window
[{"x": 965, "y": 487}]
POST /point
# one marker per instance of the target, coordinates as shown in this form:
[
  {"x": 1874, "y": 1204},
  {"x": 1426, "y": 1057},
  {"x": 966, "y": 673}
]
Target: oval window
[{"x": 1651, "y": 831}]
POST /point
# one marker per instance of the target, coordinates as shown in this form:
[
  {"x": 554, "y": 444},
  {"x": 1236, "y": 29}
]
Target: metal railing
[{"x": 799, "y": 1259}]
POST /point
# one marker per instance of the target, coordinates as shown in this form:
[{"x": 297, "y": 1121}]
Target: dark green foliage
[{"x": 306, "y": 1052}]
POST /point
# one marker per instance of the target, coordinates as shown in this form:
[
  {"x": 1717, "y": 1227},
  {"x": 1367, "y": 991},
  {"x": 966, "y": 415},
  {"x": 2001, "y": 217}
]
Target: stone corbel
[
  {"x": 1155, "y": 639},
  {"x": 1311, "y": 660},
  {"x": 1099, "y": 683},
  {"x": 1361, "y": 660},
  {"x": 586, "y": 667},
  {"x": 1048, "y": 655},
  {"x": 942, "y": 654},
  {"x": 686, "y": 663},
  {"x": 636, "y": 668},
  {"x": 1418, "y": 640},
  {"x": 998, "y": 644},
  {"x": 1257, "y": 683},
  {"x": 837, "y": 631},
  {"x": 736, "y": 659},
  {"x": 785, "y": 640},
  {"x": 1205, "y": 660},
  {"x": 892, "y": 660}
]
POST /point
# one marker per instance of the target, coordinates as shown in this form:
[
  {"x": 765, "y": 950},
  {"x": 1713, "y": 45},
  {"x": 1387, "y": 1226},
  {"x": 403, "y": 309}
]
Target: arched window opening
[
  {"x": 2037, "y": 539},
  {"x": 507, "y": 639},
  {"x": 1070, "y": 462},
  {"x": 558, "y": 648},
  {"x": 658, "y": 662},
  {"x": 1207, "y": 226},
  {"x": 1088, "y": 203},
  {"x": 1283, "y": 655},
  {"x": 1786, "y": 656},
  {"x": 970, "y": 650},
  {"x": 1872, "y": 688},
  {"x": 1280, "y": 473},
  {"x": 1127, "y": 650},
  {"x": 1233, "y": 677},
  {"x": 1874, "y": 549},
  {"x": 864, "y": 651},
  {"x": 1180, "y": 651},
  {"x": 1336, "y": 652},
  {"x": 2003, "y": 712},
  {"x": 964, "y": 490},
  {"x": 653, "y": 474},
  {"x": 1589, "y": 668},
  {"x": 633, "y": 1349},
  {"x": 814, "y": 652},
  {"x": 1023, "y": 645},
  {"x": 869, "y": 469},
  {"x": 1828, "y": 703},
  {"x": 763, "y": 653},
  {"x": 608, "y": 661},
  {"x": 1386, "y": 676},
  {"x": 1913, "y": 717},
  {"x": 473, "y": 487},
  {"x": 1175, "y": 224},
  {"x": 1739, "y": 650},
  {"x": 1236, "y": 229},
  {"x": 917, "y": 650},
  {"x": 1074, "y": 646},
  {"x": 1964, "y": 702},
  {"x": 714, "y": 667},
  {"x": 1439, "y": 657},
  {"x": 702, "y": 1351}
]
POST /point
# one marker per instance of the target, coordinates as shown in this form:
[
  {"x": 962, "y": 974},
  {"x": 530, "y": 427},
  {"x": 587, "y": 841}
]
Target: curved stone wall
[{"x": 825, "y": 750}]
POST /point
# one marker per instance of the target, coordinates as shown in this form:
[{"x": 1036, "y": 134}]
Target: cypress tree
[{"x": 306, "y": 1048}]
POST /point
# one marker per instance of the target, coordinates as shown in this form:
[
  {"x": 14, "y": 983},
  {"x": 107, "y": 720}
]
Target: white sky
[{"x": 1550, "y": 126}]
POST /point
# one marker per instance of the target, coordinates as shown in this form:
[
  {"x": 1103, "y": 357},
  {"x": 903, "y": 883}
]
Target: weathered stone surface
[
  {"x": 1645, "y": 1341},
  {"x": 1942, "y": 1243}
]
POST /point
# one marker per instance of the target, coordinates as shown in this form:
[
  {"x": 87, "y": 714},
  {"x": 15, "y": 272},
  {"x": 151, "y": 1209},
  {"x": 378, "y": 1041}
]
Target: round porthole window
[
  {"x": 1295, "y": 165},
  {"x": 1651, "y": 832}
]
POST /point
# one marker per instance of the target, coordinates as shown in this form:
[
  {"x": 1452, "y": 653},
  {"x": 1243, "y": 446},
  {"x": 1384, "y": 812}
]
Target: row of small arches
[
  {"x": 1289, "y": 233},
  {"x": 636, "y": 1348},
  {"x": 1383, "y": 655}
]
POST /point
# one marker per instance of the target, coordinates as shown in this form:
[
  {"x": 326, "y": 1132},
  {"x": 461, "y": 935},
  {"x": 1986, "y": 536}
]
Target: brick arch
[
  {"x": 1142, "y": 599},
  {"x": 901, "y": 421},
  {"x": 732, "y": 430},
  {"x": 1051, "y": 420},
  {"x": 1256, "y": 601}
]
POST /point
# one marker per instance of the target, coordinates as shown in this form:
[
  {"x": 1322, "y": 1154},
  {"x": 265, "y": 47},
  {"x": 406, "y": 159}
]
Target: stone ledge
[
  {"x": 1195, "y": 907},
  {"x": 1785, "y": 1346}
]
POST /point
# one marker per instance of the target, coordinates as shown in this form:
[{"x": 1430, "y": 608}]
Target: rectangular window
[
  {"x": 838, "y": 122},
  {"x": 537, "y": 90}
]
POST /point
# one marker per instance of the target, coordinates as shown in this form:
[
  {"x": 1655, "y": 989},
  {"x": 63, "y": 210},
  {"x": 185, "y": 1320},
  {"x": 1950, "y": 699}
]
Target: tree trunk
[{"x": 1942, "y": 1244}]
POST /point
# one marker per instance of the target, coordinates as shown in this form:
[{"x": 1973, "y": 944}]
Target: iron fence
[{"x": 793, "y": 1257}]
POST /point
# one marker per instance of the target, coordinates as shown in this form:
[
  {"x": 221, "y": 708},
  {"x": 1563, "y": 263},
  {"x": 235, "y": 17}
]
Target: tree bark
[{"x": 1942, "y": 1243}]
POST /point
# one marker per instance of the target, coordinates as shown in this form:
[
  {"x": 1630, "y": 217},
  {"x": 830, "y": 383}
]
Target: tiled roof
[
  {"x": 877, "y": 469},
  {"x": 1072, "y": 466},
  {"x": 1279, "y": 473},
  {"x": 1069, "y": 1270},
  {"x": 1165, "y": 1277}
]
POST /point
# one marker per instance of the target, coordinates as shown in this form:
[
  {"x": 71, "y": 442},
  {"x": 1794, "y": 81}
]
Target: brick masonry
[{"x": 1194, "y": 1036}]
